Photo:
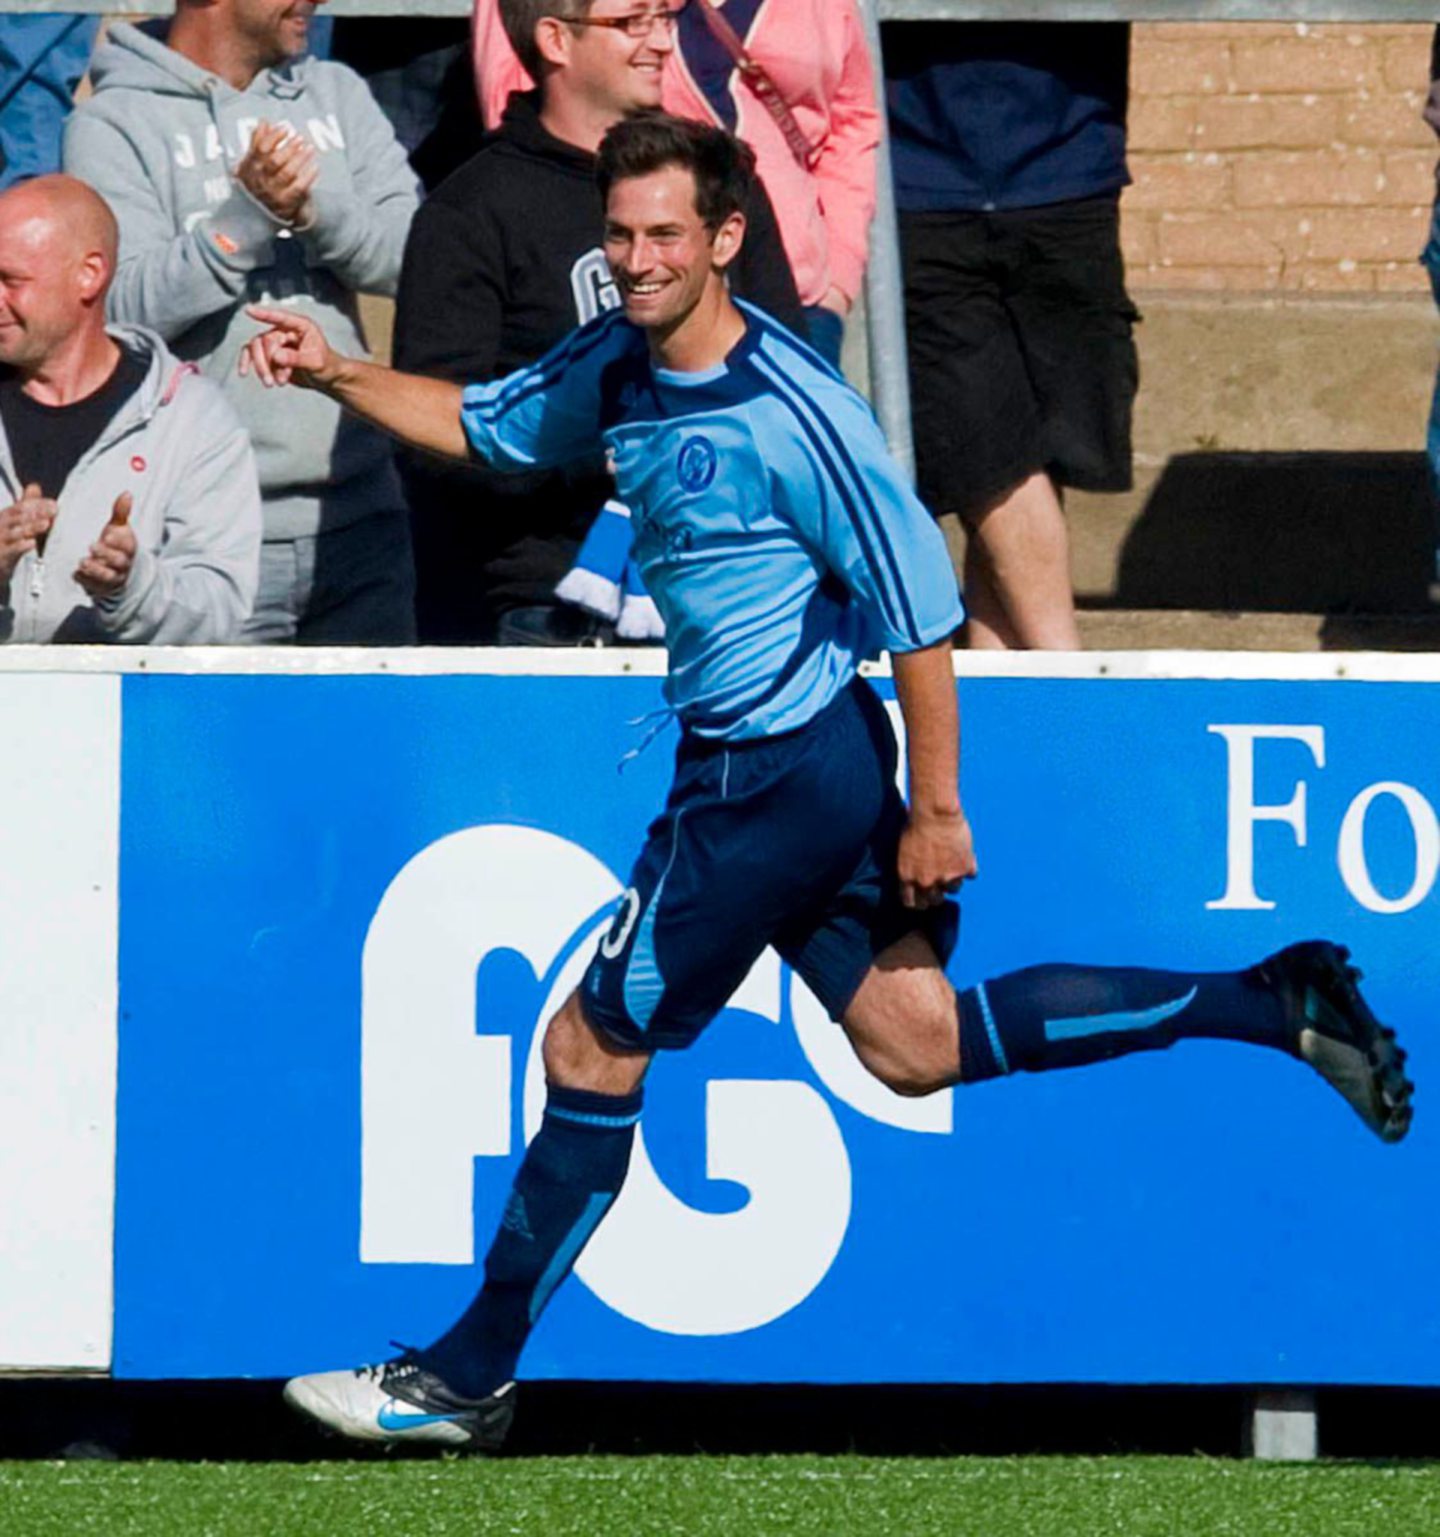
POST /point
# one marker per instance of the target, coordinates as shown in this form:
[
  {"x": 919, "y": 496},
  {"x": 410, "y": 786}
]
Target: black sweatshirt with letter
[{"x": 503, "y": 261}]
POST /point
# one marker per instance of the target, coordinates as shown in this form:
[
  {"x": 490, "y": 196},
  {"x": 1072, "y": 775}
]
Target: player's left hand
[
  {"x": 105, "y": 570},
  {"x": 937, "y": 852}
]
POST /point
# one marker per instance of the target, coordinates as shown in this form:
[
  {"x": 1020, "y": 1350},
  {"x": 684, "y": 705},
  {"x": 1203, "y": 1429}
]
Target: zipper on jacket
[{"x": 133, "y": 416}]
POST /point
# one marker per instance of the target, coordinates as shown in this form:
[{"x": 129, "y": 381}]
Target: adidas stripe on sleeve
[{"x": 546, "y": 414}]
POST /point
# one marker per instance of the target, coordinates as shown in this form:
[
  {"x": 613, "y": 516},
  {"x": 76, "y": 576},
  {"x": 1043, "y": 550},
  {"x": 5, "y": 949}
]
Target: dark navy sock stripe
[
  {"x": 866, "y": 501},
  {"x": 904, "y": 619},
  {"x": 583, "y": 1102},
  {"x": 981, "y": 1056}
]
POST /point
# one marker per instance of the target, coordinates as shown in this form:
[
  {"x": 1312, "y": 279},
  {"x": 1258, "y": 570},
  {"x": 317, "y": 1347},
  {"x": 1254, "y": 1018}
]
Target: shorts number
[{"x": 619, "y": 935}]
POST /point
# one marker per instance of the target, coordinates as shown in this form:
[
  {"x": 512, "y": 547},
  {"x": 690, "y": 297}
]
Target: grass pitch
[{"x": 696, "y": 1496}]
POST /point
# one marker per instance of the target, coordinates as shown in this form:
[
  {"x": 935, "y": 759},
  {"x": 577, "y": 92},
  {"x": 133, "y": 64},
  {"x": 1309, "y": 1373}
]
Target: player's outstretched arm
[
  {"x": 937, "y": 851},
  {"x": 419, "y": 411}
]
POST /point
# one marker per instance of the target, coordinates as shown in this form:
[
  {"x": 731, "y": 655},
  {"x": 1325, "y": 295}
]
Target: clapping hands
[
  {"x": 22, "y": 526},
  {"x": 279, "y": 170}
]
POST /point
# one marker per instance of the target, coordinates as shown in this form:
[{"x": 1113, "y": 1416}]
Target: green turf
[{"x": 693, "y": 1496}]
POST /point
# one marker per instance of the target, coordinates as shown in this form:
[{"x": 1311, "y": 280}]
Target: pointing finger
[{"x": 269, "y": 317}]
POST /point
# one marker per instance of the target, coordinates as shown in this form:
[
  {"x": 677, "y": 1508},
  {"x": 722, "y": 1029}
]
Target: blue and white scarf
[{"x": 605, "y": 581}]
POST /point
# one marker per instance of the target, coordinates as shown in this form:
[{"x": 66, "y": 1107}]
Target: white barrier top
[{"x": 644, "y": 662}]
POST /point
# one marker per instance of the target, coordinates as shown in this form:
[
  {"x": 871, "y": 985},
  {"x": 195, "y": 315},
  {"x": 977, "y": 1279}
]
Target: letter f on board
[
  {"x": 474, "y": 891},
  {"x": 1242, "y": 813}
]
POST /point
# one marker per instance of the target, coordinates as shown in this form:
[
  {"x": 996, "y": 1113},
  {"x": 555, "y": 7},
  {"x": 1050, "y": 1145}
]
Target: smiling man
[
  {"x": 504, "y": 259},
  {"x": 133, "y": 514},
  {"x": 782, "y": 547},
  {"x": 240, "y": 171}
]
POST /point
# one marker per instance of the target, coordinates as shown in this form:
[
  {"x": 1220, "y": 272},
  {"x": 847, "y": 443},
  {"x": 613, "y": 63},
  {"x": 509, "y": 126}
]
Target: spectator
[
  {"x": 133, "y": 512},
  {"x": 1008, "y": 142},
  {"x": 792, "y": 78},
  {"x": 42, "y": 60},
  {"x": 239, "y": 171},
  {"x": 505, "y": 260}
]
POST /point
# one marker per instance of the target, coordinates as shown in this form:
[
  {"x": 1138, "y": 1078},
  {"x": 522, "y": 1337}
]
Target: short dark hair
[
  {"x": 521, "y": 17},
  {"x": 723, "y": 166}
]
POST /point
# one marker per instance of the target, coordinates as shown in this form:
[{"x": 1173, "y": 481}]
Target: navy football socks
[
  {"x": 569, "y": 1179},
  {"x": 1068, "y": 1016}
]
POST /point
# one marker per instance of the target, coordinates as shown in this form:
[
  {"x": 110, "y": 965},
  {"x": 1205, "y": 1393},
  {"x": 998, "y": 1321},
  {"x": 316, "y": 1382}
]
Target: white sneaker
[{"x": 400, "y": 1400}]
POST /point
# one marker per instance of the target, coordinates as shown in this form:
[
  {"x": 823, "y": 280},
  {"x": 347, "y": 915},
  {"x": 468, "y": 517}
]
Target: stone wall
[{"x": 1279, "y": 158}]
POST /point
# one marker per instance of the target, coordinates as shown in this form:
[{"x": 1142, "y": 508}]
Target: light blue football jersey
[{"x": 778, "y": 539}]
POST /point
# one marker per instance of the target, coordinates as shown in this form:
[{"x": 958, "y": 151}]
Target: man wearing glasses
[{"x": 504, "y": 260}]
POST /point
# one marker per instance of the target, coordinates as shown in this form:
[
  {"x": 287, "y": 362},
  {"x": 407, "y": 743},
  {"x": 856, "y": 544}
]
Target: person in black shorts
[{"x": 1008, "y": 143}]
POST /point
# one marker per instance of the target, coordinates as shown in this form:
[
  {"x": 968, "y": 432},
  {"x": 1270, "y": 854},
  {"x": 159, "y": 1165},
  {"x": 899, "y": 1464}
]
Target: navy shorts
[{"x": 787, "y": 841}]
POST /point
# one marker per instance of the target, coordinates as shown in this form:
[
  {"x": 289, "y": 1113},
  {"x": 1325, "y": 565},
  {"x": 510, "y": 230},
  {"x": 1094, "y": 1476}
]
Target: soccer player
[{"x": 781, "y": 546}]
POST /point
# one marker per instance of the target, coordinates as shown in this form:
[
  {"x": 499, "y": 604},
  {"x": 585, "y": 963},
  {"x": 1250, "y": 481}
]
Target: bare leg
[
  {"x": 909, "y": 1028},
  {"x": 578, "y": 1057},
  {"x": 987, "y": 625},
  {"x": 1023, "y": 560},
  {"x": 903, "y": 1020}
]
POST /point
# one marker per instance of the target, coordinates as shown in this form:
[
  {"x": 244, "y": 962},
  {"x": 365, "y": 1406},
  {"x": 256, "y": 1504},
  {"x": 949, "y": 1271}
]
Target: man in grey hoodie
[
  {"x": 241, "y": 172},
  {"x": 129, "y": 509}
]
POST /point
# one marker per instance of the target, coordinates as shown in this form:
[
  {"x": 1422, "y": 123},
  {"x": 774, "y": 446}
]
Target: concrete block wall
[{"x": 1279, "y": 158}]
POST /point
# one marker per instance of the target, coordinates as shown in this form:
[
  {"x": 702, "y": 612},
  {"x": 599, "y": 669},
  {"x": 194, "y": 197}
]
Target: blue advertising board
[{"x": 348, "y": 902}]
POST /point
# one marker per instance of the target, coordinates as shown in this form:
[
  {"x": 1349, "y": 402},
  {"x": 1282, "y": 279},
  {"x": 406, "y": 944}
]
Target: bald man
[{"x": 129, "y": 503}]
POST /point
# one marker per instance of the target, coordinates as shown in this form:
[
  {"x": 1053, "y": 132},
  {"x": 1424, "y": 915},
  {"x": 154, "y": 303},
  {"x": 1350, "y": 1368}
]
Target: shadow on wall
[{"x": 1328, "y": 533}]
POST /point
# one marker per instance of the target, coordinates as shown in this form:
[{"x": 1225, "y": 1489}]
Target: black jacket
[
  {"x": 503, "y": 261},
  {"x": 1005, "y": 114}
]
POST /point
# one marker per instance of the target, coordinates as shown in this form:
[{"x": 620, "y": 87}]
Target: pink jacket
[{"x": 815, "y": 52}]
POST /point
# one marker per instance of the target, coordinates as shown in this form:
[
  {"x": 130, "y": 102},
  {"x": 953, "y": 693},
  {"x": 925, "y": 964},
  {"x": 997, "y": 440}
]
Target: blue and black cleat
[{"x": 1331, "y": 1027}]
